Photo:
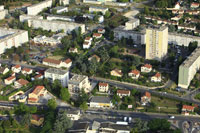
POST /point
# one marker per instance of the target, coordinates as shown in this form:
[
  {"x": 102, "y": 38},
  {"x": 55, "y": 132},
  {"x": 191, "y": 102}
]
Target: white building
[
  {"x": 74, "y": 115},
  {"x": 59, "y": 17},
  {"x": 156, "y": 78},
  {"x": 9, "y": 80},
  {"x": 146, "y": 68},
  {"x": 47, "y": 40},
  {"x": 91, "y": 16},
  {"x": 3, "y": 12},
  {"x": 57, "y": 74},
  {"x": 60, "y": 9},
  {"x": 12, "y": 38},
  {"x": 16, "y": 68},
  {"x": 101, "y": 102},
  {"x": 78, "y": 82},
  {"x": 103, "y": 87},
  {"x": 27, "y": 71},
  {"x": 57, "y": 63},
  {"x": 25, "y": 17},
  {"x": 37, "y": 8},
  {"x": 132, "y": 24},
  {"x": 64, "y": 2},
  {"x": 98, "y": 9}
]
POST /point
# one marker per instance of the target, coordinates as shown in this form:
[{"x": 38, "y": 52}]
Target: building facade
[
  {"x": 188, "y": 69},
  {"x": 156, "y": 43},
  {"x": 3, "y": 12},
  {"x": 57, "y": 74}
]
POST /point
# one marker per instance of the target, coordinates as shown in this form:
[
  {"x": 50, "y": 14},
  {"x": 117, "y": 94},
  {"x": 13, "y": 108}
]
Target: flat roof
[
  {"x": 57, "y": 71},
  {"x": 60, "y": 7},
  {"x": 76, "y": 79},
  {"x": 122, "y": 29},
  {"x": 159, "y": 28},
  {"x": 34, "y": 5},
  {"x": 192, "y": 58},
  {"x": 98, "y": 7},
  {"x": 100, "y": 99}
]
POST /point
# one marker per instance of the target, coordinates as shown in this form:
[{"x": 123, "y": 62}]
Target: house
[
  {"x": 116, "y": 72},
  {"x": 13, "y": 74},
  {"x": 53, "y": 74},
  {"x": 79, "y": 82},
  {"x": 39, "y": 76},
  {"x": 97, "y": 58},
  {"x": 18, "y": 96},
  {"x": 123, "y": 93},
  {"x": 186, "y": 109},
  {"x": 110, "y": 127},
  {"x": 156, "y": 77},
  {"x": 101, "y": 31},
  {"x": 86, "y": 45},
  {"x": 101, "y": 102},
  {"x": 177, "y": 6},
  {"x": 194, "y": 5},
  {"x": 38, "y": 92},
  {"x": 81, "y": 127},
  {"x": 27, "y": 71},
  {"x": 73, "y": 50},
  {"x": 37, "y": 120},
  {"x": 20, "y": 83},
  {"x": 146, "y": 98},
  {"x": 134, "y": 74},
  {"x": 146, "y": 68},
  {"x": 74, "y": 115},
  {"x": 3, "y": 70},
  {"x": 9, "y": 80},
  {"x": 103, "y": 87},
  {"x": 88, "y": 39},
  {"x": 57, "y": 63},
  {"x": 16, "y": 69},
  {"x": 97, "y": 35}
]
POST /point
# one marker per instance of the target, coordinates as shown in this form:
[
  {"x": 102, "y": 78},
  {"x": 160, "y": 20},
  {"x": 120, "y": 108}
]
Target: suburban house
[
  {"x": 116, "y": 72},
  {"x": 78, "y": 82},
  {"x": 186, "y": 109},
  {"x": 57, "y": 63},
  {"x": 101, "y": 102},
  {"x": 73, "y": 50},
  {"x": 9, "y": 80},
  {"x": 156, "y": 78},
  {"x": 27, "y": 71},
  {"x": 134, "y": 74},
  {"x": 86, "y": 45},
  {"x": 146, "y": 98},
  {"x": 97, "y": 35},
  {"x": 18, "y": 96},
  {"x": 97, "y": 58},
  {"x": 146, "y": 68},
  {"x": 38, "y": 92},
  {"x": 37, "y": 120},
  {"x": 74, "y": 115},
  {"x": 16, "y": 69},
  {"x": 20, "y": 83},
  {"x": 194, "y": 5},
  {"x": 3, "y": 70},
  {"x": 39, "y": 76},
  {"x": 103, "y": 87},
  {"x": 81, "y": 127},
  {"x": 123, "y": 93},
  {"x": 177, "y": 5},
  {"x": 88, "y": 39},
  {"x": 101, "y": 31},
  {"x": 110, "y": 127},
  {"x": 57, "y": 74}
]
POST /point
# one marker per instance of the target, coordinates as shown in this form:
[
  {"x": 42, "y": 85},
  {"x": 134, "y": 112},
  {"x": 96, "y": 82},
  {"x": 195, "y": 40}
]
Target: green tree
[
  {"x": 64, "y": 94},
  {"x": 146, "y": 10},
  {"x": 107, "y": 14},
  {"x": 84, "y": 106},
  {"x": 62, "y": 122},
  {"x": 52, "y": 104},
  {"x": 192, "y": 46},
  {"x": 25, "y": 120},
  {"x": 140, "y": 126},
  {"x": 159, "y": 125}
]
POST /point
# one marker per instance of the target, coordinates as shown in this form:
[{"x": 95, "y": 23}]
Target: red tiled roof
[
  {"x": 26, "y": 69},
  {"x": 37, "y": 89},
  {"x": 86, "y": 43},
  {"x": 88, "y": 38},
  {"x": 32, "y": 99},
  {"x": 135, "y": 72},
  {"x": 22, "y": 81},
  {"x": 147, "y": 94},
  {"x": 38, "y": 76},
  {"x": 123, "y": 91},
  {"x": 68, "y": 60},
  {"x": 194, "y": 4},
  {"x": 188, "y": 107},
  {"x": 103, "y": 84},
  {"x": 96, "y": 34},
  {"x": 36, "y": 117},
  {"x": 118, "y": 71},
  {"x": 148, "y": 66},
  {"x": 53, "y": 61},
  {"x": 17, "y": 66},
  {"x": 11, "y": 78},
  {"x": 158, "y": 75}
]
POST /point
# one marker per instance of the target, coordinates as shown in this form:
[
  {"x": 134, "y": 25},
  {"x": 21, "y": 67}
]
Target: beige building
[
  {"x": 132, "y": 24},
  {"x": 123, "y": 93},
  {"x": 18, "y": 96},
  {"x": 116, "y": 73},
  {"x": 57, "y": 63},
  {"x": 146, "y": 68},
  {"x": 27, "y": 71},
  {"x": 188, "y": 69},
  {"x": 10, "y": 80},
  {"x": 156, "y": 78},
  {"x": 74, "y": 115},
  {"x": 38, "y": 92},
  {"x": 134, "y": 74},
  {"x": 98, "y": 9},
  {"x": 20, "y": 83},
  {"x": 103, "y": 87},
  {"x": 78, "y": 82},
  {"x": 3, "y": 12},
  {"x": 156, "y": 43},
  {"x": 16, "y": 68}
]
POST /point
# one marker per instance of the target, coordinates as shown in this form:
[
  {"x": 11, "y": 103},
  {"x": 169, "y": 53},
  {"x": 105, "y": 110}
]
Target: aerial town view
[{"x": 99, "y": 66}]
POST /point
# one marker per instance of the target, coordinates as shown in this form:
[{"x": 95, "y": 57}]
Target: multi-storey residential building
[
  {"x": 156, "y": 43},
  {"x": 132, "y": 24},
  {"x": 36, "y": 8},
  {"x": 188, "y": 69},
  {"x": 57, "y": 74},
  {"x": 98, "y": 9},
  {"x": 3, "y": 12},
  {"x": 12, "y": 38},
  {"x": 57, "y": 63},
  {"x": 64, "y": 2},
  {"x": 60, "y": 9},
  {"x": 78, "y": 82},
  {"x": 103, "y": 87}
]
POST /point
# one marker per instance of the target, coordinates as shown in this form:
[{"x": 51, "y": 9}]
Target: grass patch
[{"x": 116, "y": 60}]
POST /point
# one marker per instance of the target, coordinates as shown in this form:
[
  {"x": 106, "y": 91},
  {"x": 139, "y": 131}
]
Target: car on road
[{"x": 172, "y": 117}]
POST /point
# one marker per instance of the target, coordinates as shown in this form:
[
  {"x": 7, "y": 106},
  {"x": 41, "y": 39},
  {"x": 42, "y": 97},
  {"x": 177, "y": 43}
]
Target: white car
[{"x": 172, "y": 117}]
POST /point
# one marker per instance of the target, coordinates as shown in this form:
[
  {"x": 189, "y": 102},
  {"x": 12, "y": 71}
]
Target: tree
[
  {"x": 146, "y": 10},
  {"x": 192, "y": 46},
  {"x": 25, "y": 120},
  {"x": 107, "y": 14},
  {"x": 52, "y": 104},
  {"x": 84, "y": 106},
  {"x": 140, "y": 126},
  {"x": 64, "y": 94},
  {"x": 62, "y": 122},
  {"x": 159, "y": 125}
]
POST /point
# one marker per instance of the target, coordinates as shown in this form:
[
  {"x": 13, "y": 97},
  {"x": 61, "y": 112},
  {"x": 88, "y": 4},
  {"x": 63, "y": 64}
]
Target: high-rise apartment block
[{"x": 156, "y": 43}]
